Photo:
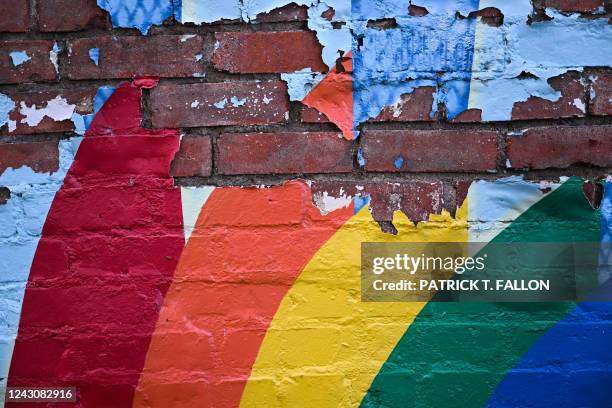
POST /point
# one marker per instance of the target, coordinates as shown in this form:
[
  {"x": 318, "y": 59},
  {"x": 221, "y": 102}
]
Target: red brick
[
  {"x": 583, "y": 6},
  {"x": 311, "y": 115},
  {"x": 601, "y": 92},
  {"x": 267, "y": 52},
  {"x": 82, "y": 98},
  {"x": 430, "y": 150},
  {"x": 52, "y": 15},
  {"x": 571, "y": 104},
  {"x": 194, "y": 157},
  {"x": 277, "y": 153},
  {"x": 126, "y": 57},
  {"x": 561, "y": 147},
  {"x": 238, "y": 103},
  {"x": 5, "y": 194},
  {"x": 15, "y": 16},
  {"x": 39, "y": 68},
  {"x": 40, "y": 156},
  {"x": 416, "y": 199},
  {"x": 412, "y": 107},
  {"x": 288, "y": 13}
]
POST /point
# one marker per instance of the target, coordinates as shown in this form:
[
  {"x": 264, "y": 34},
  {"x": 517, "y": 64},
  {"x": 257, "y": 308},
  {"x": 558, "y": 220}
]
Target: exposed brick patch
[
  {"x": 82, "y": 98},
  {"x": 416, "y": 199},
  {"x": 470, "y": 115},
  {"x": 311, "y": 115},
  {"x": 430, "y": 150},
  {"x": 267, "y": 52},
  {"x": 288, "y": 13},
  {"x": 5, "y": 194},
  {"x": 194, "y": 157},
  {"x": 412, "y": 107},
  {"x": 600, "y": 92},
  {"x": 560, "y": 147},
  {"x": 69, "y": 15},
  {"x": 417, "y": 11},
  {"x": 284, "y": 153},
  {"x": 38, "y": 68},
  {"x": 581, "y": 6},
  {"x": 40, "y": 156},
  {"x": 126, "y": 57},
  {"x": 461, "y": 191},
  {"x": 15, "y": 16},
  {"x": 219, "y": 104},
  {"x": 571, "y": 104}
]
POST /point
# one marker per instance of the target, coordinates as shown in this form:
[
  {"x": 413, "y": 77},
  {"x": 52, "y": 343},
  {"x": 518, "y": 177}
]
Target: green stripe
[{"x": 455, "y": 354}]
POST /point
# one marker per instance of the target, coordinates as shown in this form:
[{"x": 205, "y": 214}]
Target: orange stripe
[{"x": 248, "y": 247}]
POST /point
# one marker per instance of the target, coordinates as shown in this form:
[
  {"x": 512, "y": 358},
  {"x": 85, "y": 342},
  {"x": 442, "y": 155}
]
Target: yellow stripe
[{"x": 324, "y": 346}]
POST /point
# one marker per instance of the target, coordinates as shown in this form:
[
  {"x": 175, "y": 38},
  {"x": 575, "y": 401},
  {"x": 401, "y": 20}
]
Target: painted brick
[
  {"x": 430, "y": 150},
  {"x": 237, "y": 103},
  {"x": 560, "y": 147},
  {"x": 40, "y": 156},
  {"x": 416, "y": 199},
  {"x": 194, "y": 157},
  {"x": 52, "y": 15},
  {"x": 278, "y": 153},
  {"x": 267, "y": 52},
  {"x": 288, "y": 13},
  {"x": 81, "y": 98},
  {"x": 601, "y": 92},
  {"x": 571, "y": 104},
  {"x": 15, "y": 16},
  {"x": 412, "y": 107},
  {"x": 126, "y": 57},
  {"x": 39, "y": 68},
  {"x": 583, "y": 6}
]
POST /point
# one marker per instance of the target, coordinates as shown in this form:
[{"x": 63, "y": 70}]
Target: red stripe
[{"x": 106, "y": 258}]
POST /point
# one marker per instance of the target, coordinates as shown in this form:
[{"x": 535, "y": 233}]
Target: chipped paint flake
[
  {"x": 326, "y": 203},
  {"x": 237, "y": 102},
  {"x": 53, "y": 54},
  {"x": 57, "y": 109},
  {"x": 94, "y": 55},
  {"x": 19, "y": 57},
  {"x": 220, "y": 104},
  {"x": 6, "y": 106}
]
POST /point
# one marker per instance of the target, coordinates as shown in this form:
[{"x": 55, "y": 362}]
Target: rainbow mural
[{"x": 145, "y": 294}]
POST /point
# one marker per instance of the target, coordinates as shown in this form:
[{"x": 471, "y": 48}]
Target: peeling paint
[
  {"x": 300, "y": 83},
  {"x": 57, "y": 109},
  {"x": 140, "y": 14},
  {"x": 6, "y": 106},
  {"x": 237, "y": 102},
  {"x": 94, "y": 55},
  {"x": 327, "y": 204},
  {"x": 53, "y": 54},
  {"x": 19, "y": 57},
  {"x": 220, "y": 104}
]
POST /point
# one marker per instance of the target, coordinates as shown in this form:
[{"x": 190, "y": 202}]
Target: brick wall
[{"x": 214, "y": 105}]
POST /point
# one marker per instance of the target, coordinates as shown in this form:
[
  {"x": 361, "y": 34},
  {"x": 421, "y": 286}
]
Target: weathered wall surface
[{"x": 185, "y": 186}]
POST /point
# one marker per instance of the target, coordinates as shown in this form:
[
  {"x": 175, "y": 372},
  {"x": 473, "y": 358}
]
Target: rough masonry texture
[{"x": 185, "y": 187}]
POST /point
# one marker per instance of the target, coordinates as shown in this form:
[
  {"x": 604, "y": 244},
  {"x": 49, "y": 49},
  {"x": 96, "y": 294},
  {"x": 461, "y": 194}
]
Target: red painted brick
[
  {"x": 267, "y": 52},
  {"x": 40, "y": 156},
  {"x": 82, "y": 98},
  {"x": 278, "y": 153},
  {"x": 311, "y": 115},
  {"x": 288, "y": 13},
  {"x": 561, "y": 147},
  {"x": 583, "y": 6},
  {"x": 52, "y": 15},
  {"x": 15, "y": 16},
  {"x": 601, "y": 92},
  {"x": 571, "y": 104},
  {"x": 126, "y": 57},
  {"x": 39, "y": 68},
  {"x": 238, "y": 103},
  {"x": 194, "y": 157},
  {"x": 416, "y": 199},
  {"x": 412, "y": 107},
  {"x": 430, "y": 150}
]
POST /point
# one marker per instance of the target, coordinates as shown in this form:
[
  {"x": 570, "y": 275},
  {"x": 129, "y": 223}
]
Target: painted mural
[
  {"x": 235, "y": 296},
  {"x": 142, "y": 293}
]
